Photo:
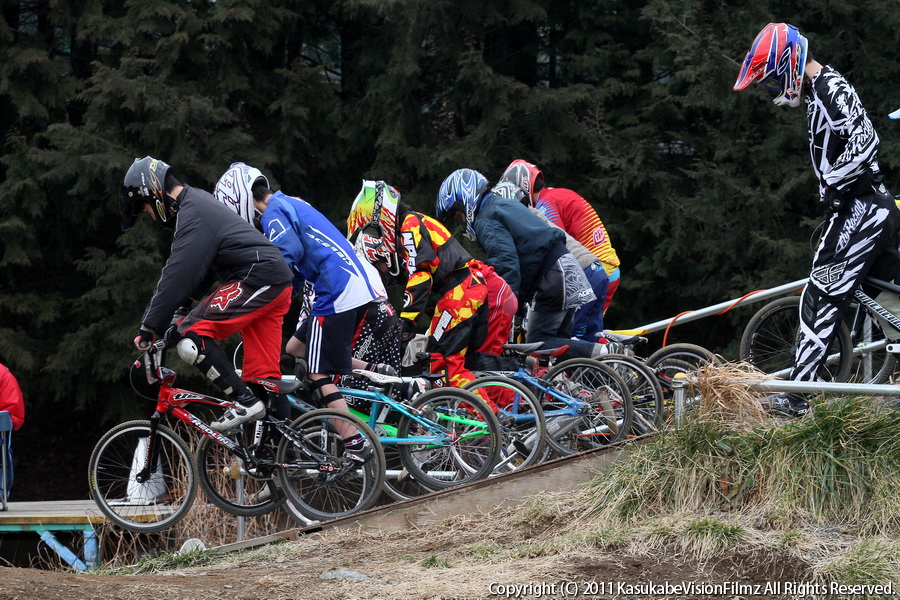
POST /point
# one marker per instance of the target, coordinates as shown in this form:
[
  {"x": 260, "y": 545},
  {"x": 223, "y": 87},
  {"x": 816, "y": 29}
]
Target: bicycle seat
[
  {"x": 378, "y": 378},
  {"x": 523, "y": 349},
  {"x": 278, "y": 386},
  {"x": 625, "y": 336}
]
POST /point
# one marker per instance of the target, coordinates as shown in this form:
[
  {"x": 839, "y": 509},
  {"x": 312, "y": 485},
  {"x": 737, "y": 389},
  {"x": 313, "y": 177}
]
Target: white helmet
[{"x": 235, "y": 189}]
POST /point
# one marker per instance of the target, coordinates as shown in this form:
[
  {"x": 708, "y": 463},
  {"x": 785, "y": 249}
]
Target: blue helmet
[{"x": 461, "y": 191}]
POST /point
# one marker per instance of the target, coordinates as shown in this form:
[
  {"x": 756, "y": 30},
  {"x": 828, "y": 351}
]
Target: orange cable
[{"x": 721, "y": 312}]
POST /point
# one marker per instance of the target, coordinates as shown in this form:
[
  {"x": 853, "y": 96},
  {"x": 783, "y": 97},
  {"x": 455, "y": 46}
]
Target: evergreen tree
[{"x": 706, "y": 193}]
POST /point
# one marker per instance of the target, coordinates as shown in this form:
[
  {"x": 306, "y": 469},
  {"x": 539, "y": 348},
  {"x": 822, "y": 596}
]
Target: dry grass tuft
[{"x": 724, "y": 398}]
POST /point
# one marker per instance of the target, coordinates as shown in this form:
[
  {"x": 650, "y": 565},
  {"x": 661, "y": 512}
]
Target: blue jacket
[
  {"x": 317, "y": 252},
  {"x": 517, "y": 242}
]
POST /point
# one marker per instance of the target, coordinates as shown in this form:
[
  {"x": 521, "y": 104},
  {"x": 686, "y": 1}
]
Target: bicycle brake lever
[{"x": 148, "y": 365}]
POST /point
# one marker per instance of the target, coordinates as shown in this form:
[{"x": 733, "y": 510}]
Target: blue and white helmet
[
  {"x": 895, "y": 114},
  {"x": 235, "y": 189},
  {"x": 461, "y": 191}
]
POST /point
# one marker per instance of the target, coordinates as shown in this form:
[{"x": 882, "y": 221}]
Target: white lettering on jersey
[
  {"x": 442, "y": 325},
  {"x": 276, "y": 229}
]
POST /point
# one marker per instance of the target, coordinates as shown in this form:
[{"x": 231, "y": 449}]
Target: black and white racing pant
[{"x": 860, "y": 240}]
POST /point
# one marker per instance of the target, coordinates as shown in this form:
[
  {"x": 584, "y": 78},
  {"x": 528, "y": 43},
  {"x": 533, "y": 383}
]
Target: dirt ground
[{"x": 475, "y": 559}]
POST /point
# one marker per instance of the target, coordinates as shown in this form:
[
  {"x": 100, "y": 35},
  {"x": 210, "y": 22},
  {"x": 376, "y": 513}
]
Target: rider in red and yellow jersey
[{"x": 470, "y": 294}]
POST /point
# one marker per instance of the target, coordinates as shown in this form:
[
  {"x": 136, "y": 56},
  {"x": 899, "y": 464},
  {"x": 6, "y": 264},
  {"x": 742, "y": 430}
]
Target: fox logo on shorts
[{"x": 225, "y": 295}]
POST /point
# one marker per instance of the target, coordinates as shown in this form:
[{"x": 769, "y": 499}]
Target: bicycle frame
[
  {"x": 382, "y": 404},
  {"x": 574, "y": 406},
  {"x": 172, "y": 400}
]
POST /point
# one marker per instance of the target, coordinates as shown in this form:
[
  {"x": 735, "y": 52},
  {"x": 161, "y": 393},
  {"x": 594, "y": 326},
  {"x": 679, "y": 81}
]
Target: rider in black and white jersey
[{"x": 863, "y": 225}]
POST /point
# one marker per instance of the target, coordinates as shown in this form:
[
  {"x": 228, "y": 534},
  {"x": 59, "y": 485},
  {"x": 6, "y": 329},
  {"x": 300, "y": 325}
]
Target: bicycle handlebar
[{"x": 153, "y": 356}]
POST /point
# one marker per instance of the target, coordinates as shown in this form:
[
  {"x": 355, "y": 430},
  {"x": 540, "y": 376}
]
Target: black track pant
[{"x": 860, "y": 240}]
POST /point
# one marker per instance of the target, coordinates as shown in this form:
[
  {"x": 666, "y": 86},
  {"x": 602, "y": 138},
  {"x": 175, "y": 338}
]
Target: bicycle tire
[
  {"x": 225, "y": 481},
  {"x": 691, "y": 353},
  {"x": 154, "y": 505},
  {"x": 646, "y": 392},
  {"x": 769, "y": 341},
  {"x": 471, "y": 428},
  {"x": 608, "y": 400},
  {"x": 875, "y": 365},
  {"x": 524, "y": 440},
  {"x": 322, "y": 495}
]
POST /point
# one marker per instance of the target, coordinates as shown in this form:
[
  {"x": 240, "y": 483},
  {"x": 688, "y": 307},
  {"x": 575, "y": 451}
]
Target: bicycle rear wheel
[
  {"x": 524, "y": 440},
  {"x": 228, "y": 484},
  {"x": 646, "y": 392},
  {"x": 769, "y": 342},
  {"x": 154, "y": 504},
  {"x": 453, "y": 439},
  {"x": 601, "y": 396},
  {"x": 340, "y": 486}
]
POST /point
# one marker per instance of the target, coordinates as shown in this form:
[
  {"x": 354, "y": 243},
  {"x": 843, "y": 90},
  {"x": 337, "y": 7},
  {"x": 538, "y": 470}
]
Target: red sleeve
[{"x": 11, "y": 397}]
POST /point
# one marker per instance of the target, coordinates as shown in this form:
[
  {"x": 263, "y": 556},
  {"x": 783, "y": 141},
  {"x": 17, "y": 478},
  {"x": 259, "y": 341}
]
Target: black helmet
[{"x": 145, "y": 183}]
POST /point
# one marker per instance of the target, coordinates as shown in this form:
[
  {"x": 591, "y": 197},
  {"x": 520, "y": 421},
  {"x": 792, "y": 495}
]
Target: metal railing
[
  {"x": 722, "y": 306},
  {"x": 681, "y": 381}
]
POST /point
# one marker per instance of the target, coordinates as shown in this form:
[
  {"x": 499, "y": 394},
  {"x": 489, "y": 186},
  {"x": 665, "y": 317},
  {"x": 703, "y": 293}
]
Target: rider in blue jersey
[
  {"x": 346, "y": 288},
  {"x": 317, "y": 252}
]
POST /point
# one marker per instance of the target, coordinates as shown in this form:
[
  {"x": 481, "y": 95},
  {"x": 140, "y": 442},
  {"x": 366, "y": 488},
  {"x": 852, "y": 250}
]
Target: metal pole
[
  {"x": 679, "y": 383},
  {"x": 717, "y": 308},
  {"x": 241, "y": 522},
  {"x": 818, "y": 387}
]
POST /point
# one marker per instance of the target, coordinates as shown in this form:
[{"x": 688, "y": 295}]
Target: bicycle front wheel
[
  {"x": 591, "y": 408},
  {"x": 769, "y": 342},
  {"x": 524, "y": 427},
  {"x": 163, "y": 497},
  {"x": 324, "y": 484},
  {"x": 230, "y": 485},
  {"x": 453, "y": 438}
]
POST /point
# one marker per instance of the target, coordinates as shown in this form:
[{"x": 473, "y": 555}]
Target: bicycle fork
[{"x": 152, "y": 451}]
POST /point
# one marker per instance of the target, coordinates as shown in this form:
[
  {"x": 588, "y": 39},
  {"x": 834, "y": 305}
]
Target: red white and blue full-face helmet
[{"x": 777, "y": 58}]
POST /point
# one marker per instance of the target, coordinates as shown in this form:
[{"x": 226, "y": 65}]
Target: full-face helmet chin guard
[{"x": 370, "y": 244}]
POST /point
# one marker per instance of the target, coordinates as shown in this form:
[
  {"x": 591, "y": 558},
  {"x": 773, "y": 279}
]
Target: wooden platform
[{"x": 61, "y": 515}]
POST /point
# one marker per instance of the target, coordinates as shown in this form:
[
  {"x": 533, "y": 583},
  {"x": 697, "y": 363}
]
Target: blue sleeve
[{"x": 501, "y": 252}]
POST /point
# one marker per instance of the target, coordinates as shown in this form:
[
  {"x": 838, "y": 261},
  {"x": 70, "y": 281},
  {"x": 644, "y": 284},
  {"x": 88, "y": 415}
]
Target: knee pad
[
  {"x": 315, "y": 390},
  {"x": 189, "y": 350}
]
